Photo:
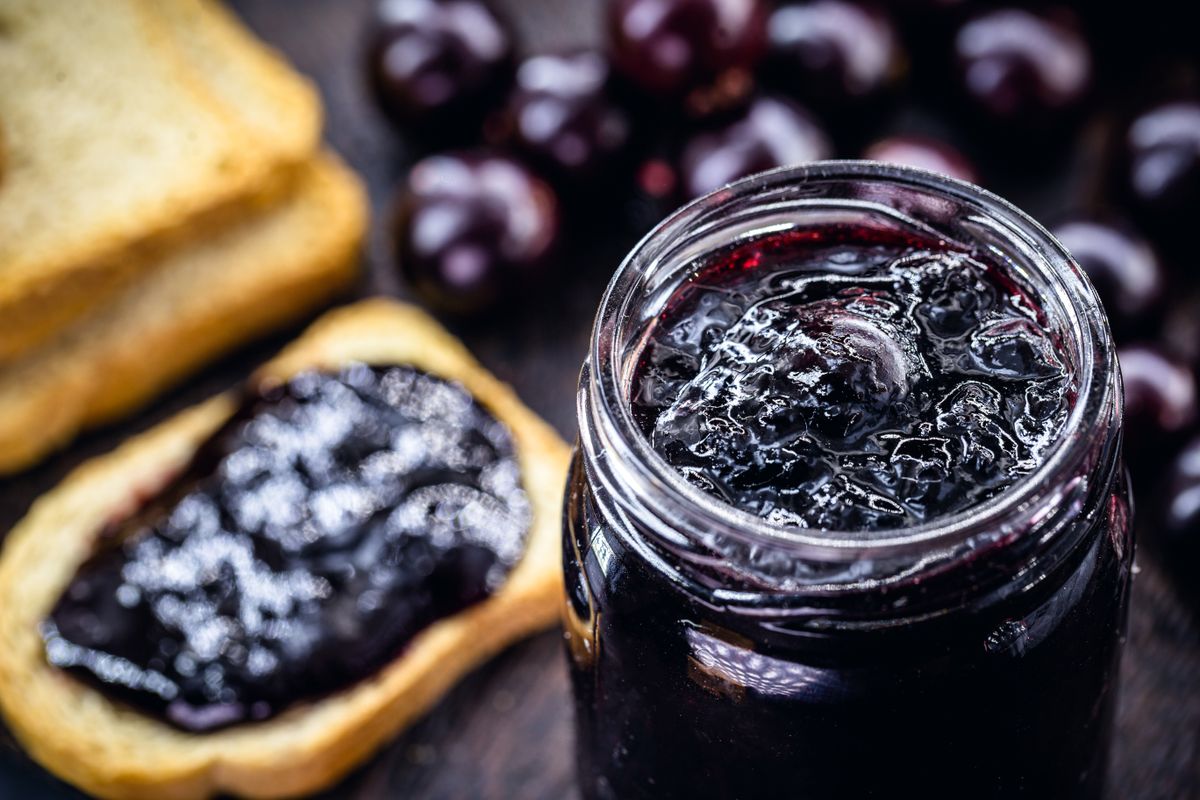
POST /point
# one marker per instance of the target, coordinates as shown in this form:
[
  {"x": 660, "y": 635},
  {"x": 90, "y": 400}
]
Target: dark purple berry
[
  {"x": 1163, "y": 151},
  {"x": 1181, "y": 324},
  {"x": 1121, "y": 265},
  {"x": 699, "y": 50},
  {"x": 438, "y": 64},
  {"x": 924, "y": 153},
  {"x": 1023, "y": 69},
  {"x": 1180, "y": 511},
  {"x": 772, "y": 133},
  {"x": 561, "y": 116},
  {"x": 1160, "y": 405},
  {"x": 471, "y": 226},
  {"x": 834, "y": 54}
]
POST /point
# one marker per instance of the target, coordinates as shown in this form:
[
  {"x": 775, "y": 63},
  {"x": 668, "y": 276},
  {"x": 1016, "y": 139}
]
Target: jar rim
[{"x": 669, "y": 496}]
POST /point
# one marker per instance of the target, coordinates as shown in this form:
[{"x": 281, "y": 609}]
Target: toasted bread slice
[
  {"x": 199, "y": 301},
  {"x": 243, "y": 74},
  {"x": 116, "y": 132},
  {"x": 115, "y": 752}
]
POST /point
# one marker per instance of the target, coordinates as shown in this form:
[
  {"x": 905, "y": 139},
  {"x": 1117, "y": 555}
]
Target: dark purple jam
[
  {"x": 331, "y": 520},
  {"x": 850, "y": 378},
  {"x": 680, "y": 693}
]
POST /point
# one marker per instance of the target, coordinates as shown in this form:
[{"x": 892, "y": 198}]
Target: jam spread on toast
[{"x": 311, "y": 538}]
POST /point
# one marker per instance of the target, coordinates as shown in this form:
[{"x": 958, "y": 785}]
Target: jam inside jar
[{"x": 848, "y": 515}]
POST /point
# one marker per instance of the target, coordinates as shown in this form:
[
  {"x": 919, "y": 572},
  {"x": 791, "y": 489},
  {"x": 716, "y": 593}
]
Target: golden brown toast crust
[
  {"x": 258, "y": 272},
  {"x": 115, "y": 752}
]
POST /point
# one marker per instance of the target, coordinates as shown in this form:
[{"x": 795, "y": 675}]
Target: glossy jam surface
[
  {"x": 850, "y": 378},
  {"x": 331, "y": 520}
]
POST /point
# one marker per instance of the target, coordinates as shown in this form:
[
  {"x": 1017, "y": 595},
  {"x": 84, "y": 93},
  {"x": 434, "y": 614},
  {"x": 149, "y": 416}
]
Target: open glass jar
[{"x": 715, "y": 654}]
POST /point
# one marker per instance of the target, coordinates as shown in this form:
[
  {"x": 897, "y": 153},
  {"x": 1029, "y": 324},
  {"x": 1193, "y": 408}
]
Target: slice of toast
[
  {"x": 242, "y": 74},
  {"x": 115, "y": 752},
  {"x": 199, "y": 301},
  {"x": 118, "y": 131}
]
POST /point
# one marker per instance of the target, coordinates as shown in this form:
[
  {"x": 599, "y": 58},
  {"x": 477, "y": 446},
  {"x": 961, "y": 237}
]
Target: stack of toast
[
  {"x": 163, "y": 198},
  {"x": 114, "y": 751}
]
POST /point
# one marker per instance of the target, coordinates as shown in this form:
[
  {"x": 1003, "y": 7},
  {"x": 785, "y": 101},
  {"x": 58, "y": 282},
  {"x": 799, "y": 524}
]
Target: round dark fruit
[
  {"x": 438, "y": 64},
  {"x": 834, "y": 54},
  {"x": 1160, "y": 404},
  {"x": 470, "y": 227},
  {"x": 703, "y": 51},
  {"x": 771, "y": 133},
  {"x": 1163, "y": 146},
  {"x": 1122, "y": 266},
  {"x": 923, "y": 152},
  {"x": 561, "y": 115},
  {"x": 1181, "y": 324},
  {"x": 1180, "y": 511},
  {"x": 1022, "y": 68}
]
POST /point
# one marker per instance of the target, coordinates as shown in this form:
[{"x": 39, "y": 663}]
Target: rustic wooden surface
[{"x": 505, "y": 732}]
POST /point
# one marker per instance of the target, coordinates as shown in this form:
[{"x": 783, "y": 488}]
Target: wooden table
[{"x": 505, "y": 732}]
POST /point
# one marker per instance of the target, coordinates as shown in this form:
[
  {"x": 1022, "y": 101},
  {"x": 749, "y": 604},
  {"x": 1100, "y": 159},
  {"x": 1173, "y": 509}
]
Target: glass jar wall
[{"x": 715, "y": 654}]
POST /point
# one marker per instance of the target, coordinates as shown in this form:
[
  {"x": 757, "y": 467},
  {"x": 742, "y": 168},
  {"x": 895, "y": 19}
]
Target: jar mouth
[{"x": 605, "y": 409}]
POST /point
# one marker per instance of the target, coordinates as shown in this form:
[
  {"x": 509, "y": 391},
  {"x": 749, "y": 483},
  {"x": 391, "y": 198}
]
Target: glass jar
[{"x": 715, "y": 655}]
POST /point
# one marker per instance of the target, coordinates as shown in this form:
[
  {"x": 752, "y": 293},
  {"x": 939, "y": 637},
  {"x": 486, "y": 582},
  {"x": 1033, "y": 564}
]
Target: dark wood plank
[{"x": 505, "y": 732}]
